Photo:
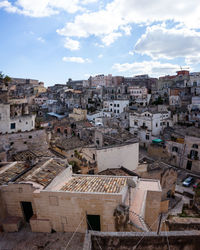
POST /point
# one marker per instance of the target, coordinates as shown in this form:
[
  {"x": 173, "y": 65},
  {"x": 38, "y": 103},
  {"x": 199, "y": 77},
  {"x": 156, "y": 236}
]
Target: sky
[{"x": 53, "y": 40}]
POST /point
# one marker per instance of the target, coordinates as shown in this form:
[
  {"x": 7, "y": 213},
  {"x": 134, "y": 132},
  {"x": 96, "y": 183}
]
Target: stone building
[
  {"x": 49, "y": 197},
  {"x": 15, "y": 117}
]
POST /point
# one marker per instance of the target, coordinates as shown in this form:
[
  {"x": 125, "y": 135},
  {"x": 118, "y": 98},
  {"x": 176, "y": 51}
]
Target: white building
[
  {"x": 137, "y": 92},
  {"x": 195, "y": 103},
  {"x": 194, "y": 79},
  {"x": 93, "y": 116},
  {"x": 152, "y": 122},
  {"x": 116, "y": 106},
  {"x": 15, "y": 118}
]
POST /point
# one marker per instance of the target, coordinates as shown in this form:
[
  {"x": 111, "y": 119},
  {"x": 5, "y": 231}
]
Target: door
[
  {"x": 189, "y": 165},
  {"x": 93, "y": 222},
  {"x": 27, "y": 210}
]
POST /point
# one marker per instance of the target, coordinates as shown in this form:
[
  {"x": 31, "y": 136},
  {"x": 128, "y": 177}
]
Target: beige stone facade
[{"x": 63, "y": 203}]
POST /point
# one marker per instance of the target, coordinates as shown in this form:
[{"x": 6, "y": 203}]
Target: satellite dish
[{"x": 131, "y": 183}]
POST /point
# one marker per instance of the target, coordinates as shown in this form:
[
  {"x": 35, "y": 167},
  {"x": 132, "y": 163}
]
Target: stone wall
[
  {"x": 59, "y": 210},
  {"x": 33, "y": 140},
  {"x": 65, "y": 210},
  {"x": 118, "y": 156},
  {"x": 188, "y": 240},
  {"x": 152, "y": 208},
  {"x": 13, "y": 194}
]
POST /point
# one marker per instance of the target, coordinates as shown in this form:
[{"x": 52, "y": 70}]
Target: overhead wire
[
  {"x": 95, "y": 236},
  {"x": 135, "y": 247},
  {"x": 74, "y": 232}
]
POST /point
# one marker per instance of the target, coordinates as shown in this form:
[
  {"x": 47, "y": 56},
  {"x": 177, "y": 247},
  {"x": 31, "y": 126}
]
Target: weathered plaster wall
[{"x": 118, "y": 156}]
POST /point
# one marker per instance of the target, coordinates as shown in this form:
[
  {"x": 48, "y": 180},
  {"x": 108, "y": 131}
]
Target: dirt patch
[{"x": 40, "y": 241}]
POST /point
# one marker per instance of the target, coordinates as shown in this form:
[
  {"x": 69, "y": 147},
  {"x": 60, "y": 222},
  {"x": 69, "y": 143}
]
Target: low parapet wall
[{"x": 150, "y": 240}]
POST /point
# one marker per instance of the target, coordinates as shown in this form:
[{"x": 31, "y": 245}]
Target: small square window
[{"x": 12, "y": 126}]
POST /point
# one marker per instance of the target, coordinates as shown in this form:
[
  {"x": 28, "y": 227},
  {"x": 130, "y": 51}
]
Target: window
[
  {"x": 174, "y": 149},
  {"x": 110, "y": 104},
  {"x": 135, "y": 123},
  {"x": 161, "y": 124},
  {"x": 114, "y": 111},
  {"x": 111, "y": 110},
  {"x": 30, "y": 136},
  {"x": 195, "y": 146},
  {"x": 114, "y": 105},
  {"x": 12, "y": 126},
  {"x": 156, "y": 124},
  {"x": 93, "y": 156},
  {"x": 147, "y": 137},
  {"x": 117, "y": 105},
  {"x": 118, "y": 111}
]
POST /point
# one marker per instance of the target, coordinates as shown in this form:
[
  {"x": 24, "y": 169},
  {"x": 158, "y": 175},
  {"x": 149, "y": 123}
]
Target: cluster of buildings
[{"x": 70, "y": 153}]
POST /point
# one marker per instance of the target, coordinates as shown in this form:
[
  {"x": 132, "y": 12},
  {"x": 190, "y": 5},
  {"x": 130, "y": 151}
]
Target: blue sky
[{"x": 53, "y": 40}]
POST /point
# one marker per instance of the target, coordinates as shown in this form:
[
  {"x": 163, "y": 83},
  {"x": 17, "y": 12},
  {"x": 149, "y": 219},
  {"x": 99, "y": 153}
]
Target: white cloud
[
  {"x": 100, "y": 56},
  {"x": 89, "y": 1},
  {"x": 76, "y": 59},
  {"x": 153, "y": 68},
  {"x": 159, "y": 42},
  {"x": 118, "y": 15},
  {"x": 71, "y": 44},
  {"x": 109, "y": 39},
  {"x": 131, "y": 53},
  {"x": 40, "y": 39},
  {"x": 192, "y": 59},
  {"x": 43, "y": 8},
  {"x": 9, "y": 7}
]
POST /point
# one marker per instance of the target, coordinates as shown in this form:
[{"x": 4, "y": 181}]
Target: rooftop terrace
[{"x": 98, "y": 184}]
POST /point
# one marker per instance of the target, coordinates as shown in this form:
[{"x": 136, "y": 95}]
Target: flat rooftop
[
  {"x": 95, "y": 184},
  {"x": 148, "y": 184}
]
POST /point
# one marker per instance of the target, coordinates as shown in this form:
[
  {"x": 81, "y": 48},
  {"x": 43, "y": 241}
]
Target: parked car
[
  {"x": 188, "y": 181},
  {"x": 196, "y": 183}
]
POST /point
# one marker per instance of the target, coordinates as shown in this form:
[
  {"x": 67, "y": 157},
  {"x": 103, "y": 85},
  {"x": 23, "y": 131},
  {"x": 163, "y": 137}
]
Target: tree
[{"x": 4, "y": 79}]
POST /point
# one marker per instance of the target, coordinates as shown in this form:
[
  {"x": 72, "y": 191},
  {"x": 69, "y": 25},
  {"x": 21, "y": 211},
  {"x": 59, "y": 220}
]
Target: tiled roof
[
  {"x": 43, "y": 176},
  {"x": 99, "y": 184},
  {"x": 12, "y": 172}
]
